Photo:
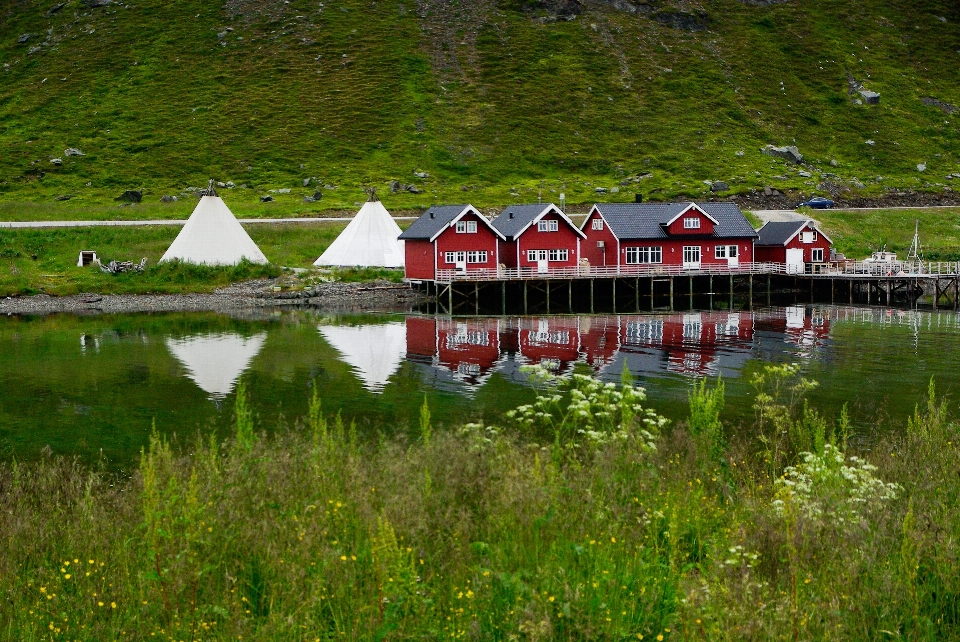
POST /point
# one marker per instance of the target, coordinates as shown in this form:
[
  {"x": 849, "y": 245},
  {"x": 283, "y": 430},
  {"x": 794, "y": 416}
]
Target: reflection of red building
[
  {"x": 599, "y": 340},
  {"x": 552, "y": 342},
  {"x": 797, "y": 327},
  {"x": 469, "y": 348},
  {"x": 689, "y": 341}
]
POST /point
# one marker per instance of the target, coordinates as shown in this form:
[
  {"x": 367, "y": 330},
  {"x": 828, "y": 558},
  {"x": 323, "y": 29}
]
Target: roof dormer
[{"x": 690, "y": 221}]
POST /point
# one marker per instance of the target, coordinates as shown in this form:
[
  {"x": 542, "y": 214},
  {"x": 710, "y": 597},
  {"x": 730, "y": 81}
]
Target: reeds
[{"x": 609, "y": 525}]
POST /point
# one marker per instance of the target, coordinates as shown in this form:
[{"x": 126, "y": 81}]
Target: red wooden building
[
  {"x": 538, "y": 236},
  {"x": 449, "y": 237},
  {"x": 793, "y": 243},
  {"x": 693, "y": 235},
  {"x": 468, "y": 348}
]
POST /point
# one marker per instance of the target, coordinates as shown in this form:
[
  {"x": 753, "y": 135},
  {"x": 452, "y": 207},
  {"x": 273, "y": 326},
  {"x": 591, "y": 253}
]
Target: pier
[{"x": 645, "y": 288}]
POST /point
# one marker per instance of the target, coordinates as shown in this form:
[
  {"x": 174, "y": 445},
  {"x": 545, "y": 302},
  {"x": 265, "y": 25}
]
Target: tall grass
[{"x": 585, "y": 517}]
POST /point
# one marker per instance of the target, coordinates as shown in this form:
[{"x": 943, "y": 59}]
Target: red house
[
  {"x": 449, "y": 237},
  {"x": 793, "y": 243},
  {"x": 537, "y": 236},
  {"x": 630, "y": 236}
]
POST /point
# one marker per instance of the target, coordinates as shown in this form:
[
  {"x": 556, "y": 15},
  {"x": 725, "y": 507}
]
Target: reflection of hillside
[
  {"x": 374, "y": 352},
  {"x": 216, "y": 361}
]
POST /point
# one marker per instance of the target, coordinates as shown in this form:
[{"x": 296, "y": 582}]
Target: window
[
  {"x": 548, "y": 226},
  {"x": 456, "y": 257},
  {"x": 816, "y": 255},
  {"x": 477, "y": 257},
  {"x": 725, "y": 252},
  {"x": 597, "y": 224},
  {"x": 691, "y": 254},
  {"x": 808, "y": 237},
  {"x": 637, "y": 255},
  {"x": 691, "y": 223},
  {"x": 466, "y": 227},
  {"x": 559, "y": 255},
  {"x": 536, "y": 255}
]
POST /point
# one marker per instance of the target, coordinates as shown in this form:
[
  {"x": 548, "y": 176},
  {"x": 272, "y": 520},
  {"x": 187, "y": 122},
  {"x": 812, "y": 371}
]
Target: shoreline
[{"x": 376, "y": 296}]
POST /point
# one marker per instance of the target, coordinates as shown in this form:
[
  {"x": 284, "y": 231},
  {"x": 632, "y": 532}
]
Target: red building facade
[
  {"x": 538, "y": 236},
  {"x": 449, "y": 237},
  {"x": 693, "y": 235},
  {"x": 794, "y": 243}
]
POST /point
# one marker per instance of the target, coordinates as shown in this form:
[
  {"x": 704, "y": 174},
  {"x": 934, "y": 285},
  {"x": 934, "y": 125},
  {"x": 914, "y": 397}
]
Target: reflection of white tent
[
  {"x": 213, "y": 236},
  {"x": 373, "y": 351},
  {"x": 216, "y": 361},
  {"x": 370, "y": 240}
]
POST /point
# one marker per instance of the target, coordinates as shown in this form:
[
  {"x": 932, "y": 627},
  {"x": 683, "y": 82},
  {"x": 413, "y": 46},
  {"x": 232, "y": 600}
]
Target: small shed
[{"x": 793, "y": 243}]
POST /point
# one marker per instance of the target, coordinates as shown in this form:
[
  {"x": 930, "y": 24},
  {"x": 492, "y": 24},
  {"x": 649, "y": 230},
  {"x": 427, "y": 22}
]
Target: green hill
[{"x": 483, "y": 96}]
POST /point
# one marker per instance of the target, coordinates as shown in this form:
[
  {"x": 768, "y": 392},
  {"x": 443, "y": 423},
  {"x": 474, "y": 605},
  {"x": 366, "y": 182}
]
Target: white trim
[
  {"x": 539, "y": 216},
  {"x": 596, "y": 209},
  {"x": 469, "y": 209},
  {"x": 804, "y": 225},
  {"x": 691, "y": 206}
]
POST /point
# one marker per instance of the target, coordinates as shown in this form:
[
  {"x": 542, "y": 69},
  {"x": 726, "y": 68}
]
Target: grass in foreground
[{"x": 584, "y": 518}]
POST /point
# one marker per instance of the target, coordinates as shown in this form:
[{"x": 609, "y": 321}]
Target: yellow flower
[
  {"x": 660, "y": 637},
  {"x": 613, "y": 540},
  {"x": 90, "y": 561},
  {"x": 99, "y": 603},
  {"x": 67, "y": 576},
  {"x": 551, "y": 598},
  {"x": 343, "y": 558},
  {"x": 113, "y": 605},
  {"x": 76, "y": 561}
]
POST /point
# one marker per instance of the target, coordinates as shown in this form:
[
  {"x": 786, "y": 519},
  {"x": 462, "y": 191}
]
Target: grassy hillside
[{"x": 485, "y": 97}]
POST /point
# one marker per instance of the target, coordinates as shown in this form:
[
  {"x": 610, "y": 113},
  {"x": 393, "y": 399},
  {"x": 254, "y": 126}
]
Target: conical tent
[
  {"x": 370, "y": 240},
  {"x": 213, "y": 236}
]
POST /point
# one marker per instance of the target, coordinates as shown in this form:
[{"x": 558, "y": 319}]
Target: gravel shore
[{"x": 379, "y": 296}]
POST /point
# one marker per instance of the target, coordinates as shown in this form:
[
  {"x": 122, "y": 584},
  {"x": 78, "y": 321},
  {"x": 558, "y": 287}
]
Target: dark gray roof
[
  {"x": 779, "y": 233},
  {"x": 515, "y": 218},
  {"x": 646, "y": 220},
  {"x": 432, "y": 221}
]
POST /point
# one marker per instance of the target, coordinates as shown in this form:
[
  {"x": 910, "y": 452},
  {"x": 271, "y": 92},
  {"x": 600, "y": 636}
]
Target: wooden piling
[
  {"x": 671, "y": 294},
  {"x": 613, "y": 286},
  {"x": 591, "y": 296},
  {"x": 524, "y": 297}
]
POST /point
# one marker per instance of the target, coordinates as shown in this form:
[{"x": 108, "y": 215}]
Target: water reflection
[
  {"x": 374, "y": 352},
  {"x": 215, "y": 361},
  {"x": 693, "y": 344}
]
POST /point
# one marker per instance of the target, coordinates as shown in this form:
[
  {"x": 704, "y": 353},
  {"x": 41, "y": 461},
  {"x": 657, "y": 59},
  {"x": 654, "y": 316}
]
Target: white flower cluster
[
  {"x": 599, "y": 412},
  {"x": 827, "y": 486},
  {"x": 737, "y": 556}
]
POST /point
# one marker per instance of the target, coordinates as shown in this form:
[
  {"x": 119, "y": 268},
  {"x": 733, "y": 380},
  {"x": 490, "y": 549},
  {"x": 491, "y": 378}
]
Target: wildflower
[
  {"x": 99, "y": 603},
  {"x": 660, "y": 637},
  {"x": 67, "y": 576},
  {"x": 551, "y": 598}
]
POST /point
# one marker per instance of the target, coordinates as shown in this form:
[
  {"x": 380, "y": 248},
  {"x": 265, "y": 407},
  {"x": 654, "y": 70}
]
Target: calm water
[{"x": 92, "y": 385}]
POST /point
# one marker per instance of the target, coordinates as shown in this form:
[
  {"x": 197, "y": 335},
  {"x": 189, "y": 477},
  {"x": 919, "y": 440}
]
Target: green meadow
[{"x": 583, "y": 515}]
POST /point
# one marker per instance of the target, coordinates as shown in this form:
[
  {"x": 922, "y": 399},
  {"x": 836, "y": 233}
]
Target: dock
[{"x": 645, "y": 288}]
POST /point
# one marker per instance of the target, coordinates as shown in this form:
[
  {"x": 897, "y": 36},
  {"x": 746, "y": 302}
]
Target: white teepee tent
[
  {"x": 374, "y": 352},
  {"x": 216, "y": 361},
  {"x": 213, "y": 236},
  {"x": 370, "y": 240}
]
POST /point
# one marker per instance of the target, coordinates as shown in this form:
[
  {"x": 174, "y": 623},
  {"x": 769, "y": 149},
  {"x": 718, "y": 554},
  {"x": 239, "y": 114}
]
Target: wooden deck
[{"x": 589, "y": 289}]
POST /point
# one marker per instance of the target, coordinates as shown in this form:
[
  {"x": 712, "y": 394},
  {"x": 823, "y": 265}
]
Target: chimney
[{"x": 638, "y": 198}]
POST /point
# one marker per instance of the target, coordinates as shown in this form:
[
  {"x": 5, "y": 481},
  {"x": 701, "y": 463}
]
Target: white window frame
[
  {"x": 813, "y": 255},
  {"x": 477, "y": 256},
  {"x": 691, "y": 222},
  {"x": 690, "y": 250},
  {"x": 558, "y": 255},
  {"x": 451, "y": 257},
  {"x": 535, "y": 256},
  {"x": 726, "y": 252},
  {"x": 639, "y": 255},
  {"x": 551, "y": 225},
  {"x": 466, "y": 227},
  {"x": 597, "y": 224}
]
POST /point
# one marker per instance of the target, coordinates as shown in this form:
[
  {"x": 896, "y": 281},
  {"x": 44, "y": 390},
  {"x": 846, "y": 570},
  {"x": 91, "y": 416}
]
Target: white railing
[
  {"x": 854, "y": 269},
  {"x": 607, "y": 272}
]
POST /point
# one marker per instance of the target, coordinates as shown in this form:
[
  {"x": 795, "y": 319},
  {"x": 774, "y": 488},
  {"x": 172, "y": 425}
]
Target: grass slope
[{"x": 483, "y": 97}]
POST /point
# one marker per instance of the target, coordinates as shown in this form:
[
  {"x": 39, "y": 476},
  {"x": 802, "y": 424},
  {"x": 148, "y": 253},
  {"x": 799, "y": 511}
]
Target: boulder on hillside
[
  {"x": 266, "y": 199},
  {"x": 130, "y": 196},
  {"x": 870, "y": 97},
  {"x": 682, "y": 20},
  {"x": 788, "y": 152},
  {"x": 93, "y": 4},
  {"x": 719, "y": 186},
  {"x": 73, "y": 151},
  {"x": 24, "y": 39},
  {"x": 168, "y": 199}
]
